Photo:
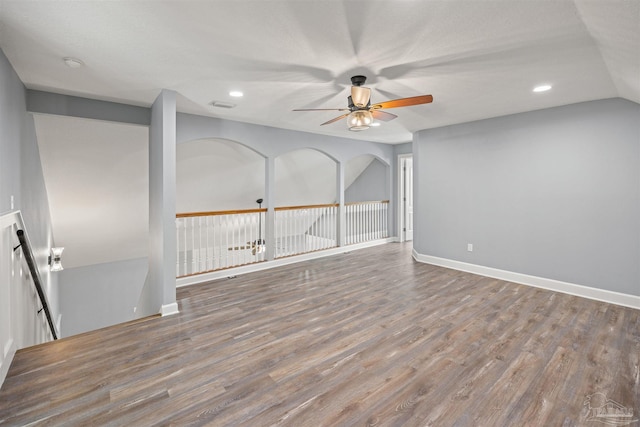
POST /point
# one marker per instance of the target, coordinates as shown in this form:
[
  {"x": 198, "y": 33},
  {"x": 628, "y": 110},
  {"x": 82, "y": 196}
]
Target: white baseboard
[
  {"x": 612, "y": 297},
  {"x": 169, "y": 309},
  {"x": 259, "y": 266},
  {"x": 9, "y": 351}
]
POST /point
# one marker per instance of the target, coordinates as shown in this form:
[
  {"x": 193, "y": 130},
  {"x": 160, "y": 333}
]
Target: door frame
[{"x": 401, "y": 202}]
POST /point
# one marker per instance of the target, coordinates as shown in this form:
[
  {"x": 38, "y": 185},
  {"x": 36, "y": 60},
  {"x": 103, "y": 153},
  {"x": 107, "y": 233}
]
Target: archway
[{"x": 217, "y": 174}]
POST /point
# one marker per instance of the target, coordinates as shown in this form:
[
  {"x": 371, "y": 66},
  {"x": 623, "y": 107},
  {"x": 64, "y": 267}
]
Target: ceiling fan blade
[
  {"x": 335, "y": 120},
  {"x": 382, "y": 115},
  {"x": 360, "y": 96},
  {"x": 404, "y": 102},
  {"x": 321, "y": 109}
]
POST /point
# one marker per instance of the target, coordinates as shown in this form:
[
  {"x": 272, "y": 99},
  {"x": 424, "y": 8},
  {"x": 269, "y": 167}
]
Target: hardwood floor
[{"x": 368, "y": 338}]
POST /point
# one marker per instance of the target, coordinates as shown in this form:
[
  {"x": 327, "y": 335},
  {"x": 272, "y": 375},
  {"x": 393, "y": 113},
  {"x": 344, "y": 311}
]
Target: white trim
[
  {"x": 400, "y": 207},
  {"x": 9, "y": 218},
  {"x": 169, "y": 309},
  {"x": 9, "y": 351},
  {"x": 265, "y": 265},
  {"x": 627, "y": 300},
  {"x": 58, "y": 323}
]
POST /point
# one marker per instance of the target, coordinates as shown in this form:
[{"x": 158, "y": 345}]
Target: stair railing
[
  {"x": 14, "y": 220},
  {"x": 209, "y": 241},
  {"x": 35, "y": 275},
  {"x": 366, "y": 221},
  {"x": 302, "y": 229}
]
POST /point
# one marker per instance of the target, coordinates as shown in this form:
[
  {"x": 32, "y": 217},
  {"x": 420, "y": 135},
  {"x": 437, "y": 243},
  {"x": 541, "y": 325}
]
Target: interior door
[{"x": 408, "y": 198}]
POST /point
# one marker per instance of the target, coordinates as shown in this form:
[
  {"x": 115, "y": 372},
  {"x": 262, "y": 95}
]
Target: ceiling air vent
[{"x": 222, "y": 104}]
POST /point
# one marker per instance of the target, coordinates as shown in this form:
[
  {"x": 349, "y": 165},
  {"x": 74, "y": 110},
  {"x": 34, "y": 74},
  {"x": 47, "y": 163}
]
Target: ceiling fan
[{"x": 360, "y": 110}]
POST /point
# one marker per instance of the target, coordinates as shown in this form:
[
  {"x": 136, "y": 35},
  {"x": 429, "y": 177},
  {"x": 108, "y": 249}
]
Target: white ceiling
[{"x": 478, "y": 59}]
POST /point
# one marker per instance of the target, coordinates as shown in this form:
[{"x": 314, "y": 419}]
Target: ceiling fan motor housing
[
  {"x": 358, "y": 80},
  {"x": 353, "y": 107}
]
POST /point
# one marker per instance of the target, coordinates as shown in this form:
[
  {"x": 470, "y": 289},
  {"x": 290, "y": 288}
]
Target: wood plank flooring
[{"x": 368, "y": 338}]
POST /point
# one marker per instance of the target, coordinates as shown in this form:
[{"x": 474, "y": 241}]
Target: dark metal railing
[{"x": 35, "y": 275}]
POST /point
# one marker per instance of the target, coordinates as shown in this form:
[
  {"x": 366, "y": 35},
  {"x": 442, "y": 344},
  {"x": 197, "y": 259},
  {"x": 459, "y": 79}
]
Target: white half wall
[{"x": 100, "y": 295}]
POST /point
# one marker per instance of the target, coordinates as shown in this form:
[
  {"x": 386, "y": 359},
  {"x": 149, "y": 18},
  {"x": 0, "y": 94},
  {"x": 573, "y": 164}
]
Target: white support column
[
  {"x": 342, "y": 217},
  {"x": 162, "y": 204},
  {"x": 269, "y": 200}
]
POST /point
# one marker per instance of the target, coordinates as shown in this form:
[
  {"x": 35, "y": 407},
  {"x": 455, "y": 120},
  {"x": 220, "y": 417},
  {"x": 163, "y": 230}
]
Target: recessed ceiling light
[
  {"x": 542, "y": 88},
  {"x": 73, "y": 62},
  {"x": 375, "y": 124},
  {"x": 236, "y": 93}
]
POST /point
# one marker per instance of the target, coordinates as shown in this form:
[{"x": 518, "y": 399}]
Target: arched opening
[
  {"x": 217, "y": 175},
  {"x": 366, "y": 179},
  {"x": 305, "y": 198},
  {"x": 304, "y": 177},
  {"x": 218, "y": 225}
]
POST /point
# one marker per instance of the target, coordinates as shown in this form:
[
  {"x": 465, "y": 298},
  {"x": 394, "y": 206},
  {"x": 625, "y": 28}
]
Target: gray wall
[
  {"x": 21, "y": 177},
  {"x": 21, "y": 173},
  {"x": 12, "y": 111},
  {"x": 100, "y": 295},
  {"x": 406, "y": 148},
  {"x": 34, "y": 206},
  {"x": 553, "y": 193},
  {"x": 371, "y": 185}
]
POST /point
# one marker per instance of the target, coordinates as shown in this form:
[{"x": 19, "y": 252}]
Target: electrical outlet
[
  {"x": 12, "y": 203},
  {"x": 469, "y": 247}
]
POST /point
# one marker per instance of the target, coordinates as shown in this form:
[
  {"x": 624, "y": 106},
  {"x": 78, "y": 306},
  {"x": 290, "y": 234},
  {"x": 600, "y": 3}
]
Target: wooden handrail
[
  {"x": 279, "y": 208},
  {"x": 366, "y": 203},
  {"x": 291, "y": 208},
  {"x": 213, "y": 213}
]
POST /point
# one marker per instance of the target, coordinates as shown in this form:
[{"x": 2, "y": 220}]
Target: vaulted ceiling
[{"x": 478, "y": 59}]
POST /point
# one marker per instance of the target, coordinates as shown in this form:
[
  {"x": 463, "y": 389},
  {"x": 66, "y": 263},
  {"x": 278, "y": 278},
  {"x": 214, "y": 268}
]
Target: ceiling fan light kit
[
  {"x": 361, "y": 112},
  {"x": 359, "y": 120}
]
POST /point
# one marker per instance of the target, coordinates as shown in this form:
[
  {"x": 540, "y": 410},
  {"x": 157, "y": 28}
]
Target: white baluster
[
  {"x": 177, "y": 247},
  {"x": 224, "y": 241},
  {"x": 192, "y": 246},
  {"x": 386, "y": 220},
  {"x": 208, "y": 263},
  {"x": 354, "y": 211},
  {"x": 200, "y": 244},
  {"x": 217, "y": 237},
  {"x": 184, "y": 225},
  {"x": 369, "y": 222},
  {"x": 290, "y": 221},
  {"x": 378, "y": 225}
]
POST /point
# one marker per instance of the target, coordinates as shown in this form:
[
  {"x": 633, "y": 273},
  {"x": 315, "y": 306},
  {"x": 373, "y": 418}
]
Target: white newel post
[
  {"x": 269, "y": 202},
  {"x": 342, "y": 222}
]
